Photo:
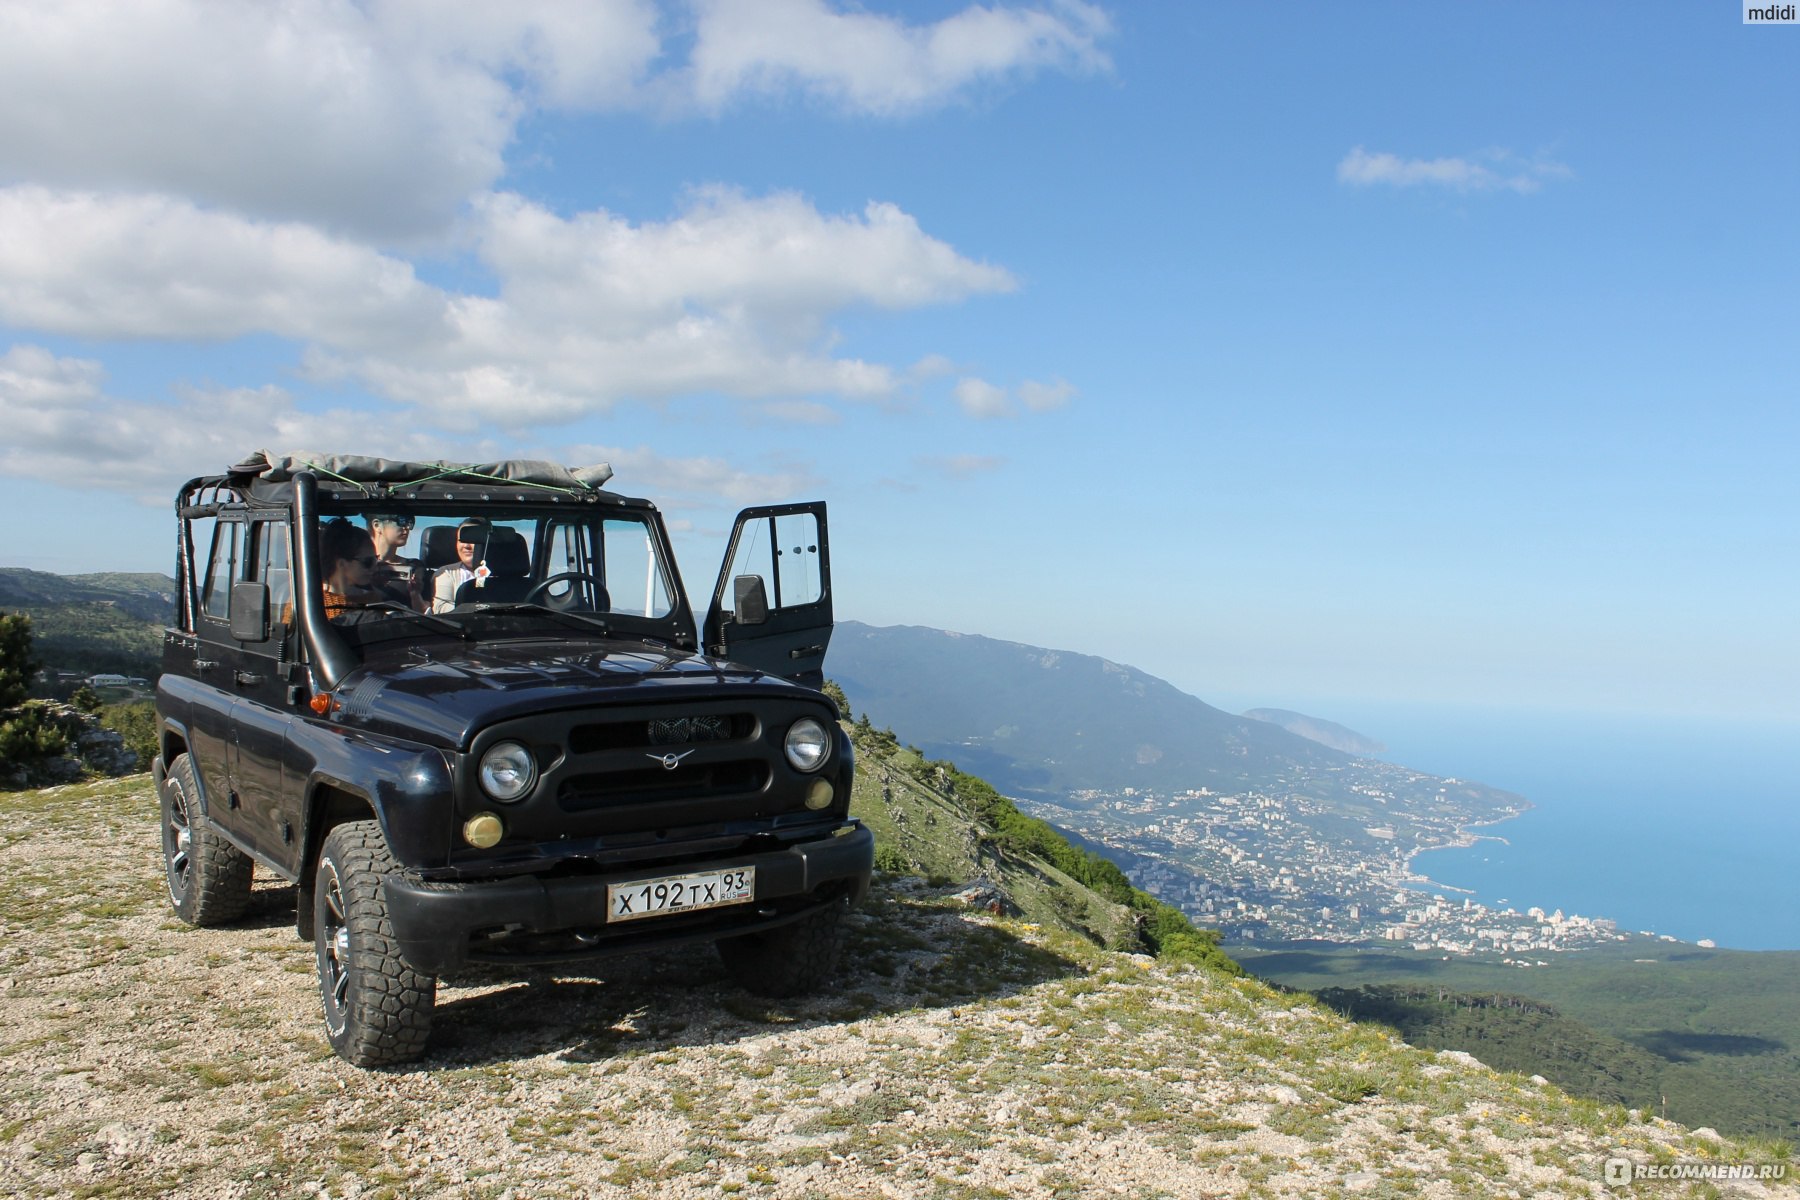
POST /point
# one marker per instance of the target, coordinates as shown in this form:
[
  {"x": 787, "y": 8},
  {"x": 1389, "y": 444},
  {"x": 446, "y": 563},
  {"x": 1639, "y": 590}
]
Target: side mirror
[
  {"x": 250, "y": 612},
  {"x": 750, "y": 603}
]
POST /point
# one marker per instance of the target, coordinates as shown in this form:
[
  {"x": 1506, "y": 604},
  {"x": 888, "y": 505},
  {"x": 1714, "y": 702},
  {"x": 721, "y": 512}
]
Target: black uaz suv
[{"x": 465, "y": 709}]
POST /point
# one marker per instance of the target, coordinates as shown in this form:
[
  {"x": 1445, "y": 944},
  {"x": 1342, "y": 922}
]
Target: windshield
[{"x": 391, "y": 571}]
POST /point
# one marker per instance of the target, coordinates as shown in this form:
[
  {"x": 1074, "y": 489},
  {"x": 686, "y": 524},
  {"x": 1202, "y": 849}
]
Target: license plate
[{"x": 679, "y": 893}]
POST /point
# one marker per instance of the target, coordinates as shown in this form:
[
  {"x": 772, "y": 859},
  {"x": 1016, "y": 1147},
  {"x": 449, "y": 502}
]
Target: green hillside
[
  {"x": 106, "y": 622},
  {"x": 1509, "y": 1033},
  {"x": 933, "y": 820},
  {"x": 1721, "y": 1027}
]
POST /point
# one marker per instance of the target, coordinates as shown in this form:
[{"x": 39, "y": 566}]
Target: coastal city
[{"x": 1326, "y": 860}]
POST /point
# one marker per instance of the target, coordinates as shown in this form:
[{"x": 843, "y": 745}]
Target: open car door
[{"x": 771, "y": 608}]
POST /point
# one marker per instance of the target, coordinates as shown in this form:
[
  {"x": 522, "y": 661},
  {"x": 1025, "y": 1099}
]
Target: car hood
[{"x": 442, "y": 695}]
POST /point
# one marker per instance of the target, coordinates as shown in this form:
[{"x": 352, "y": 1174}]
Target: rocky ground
[{"x": 964, "y": 1056}]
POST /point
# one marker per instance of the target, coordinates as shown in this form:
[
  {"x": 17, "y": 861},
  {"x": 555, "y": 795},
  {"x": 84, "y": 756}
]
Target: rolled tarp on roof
[{"x": 394, "y": 472}]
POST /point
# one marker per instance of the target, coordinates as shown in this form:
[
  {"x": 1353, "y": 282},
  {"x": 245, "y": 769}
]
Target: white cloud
[
  {"x": 733, "y": 295},
  {"x": 960, "y": 466},
  {"x": 979, "y": 398},
  {"x": 152, "y": 266},
  {"x": 932, "y": 366},
  {"x": 568, "y": 54},
  {"x": 984, "y": 400},
  {"x": 878, "y": 64},
  {"x": 34, "y": 383},
  {"x": 61, "y": 425},
  {"x": 688, "y": 482},
  {"x": 799, "y": 412},
  {"x": 383, "y": 117},
  {"x": 299, "y": 110},
  {"x": 1490, "y": 171},
  {"x": 187, "y": 171},
  {"x": 1046, "y": 397},
  {"x": 776, "y": 257}
]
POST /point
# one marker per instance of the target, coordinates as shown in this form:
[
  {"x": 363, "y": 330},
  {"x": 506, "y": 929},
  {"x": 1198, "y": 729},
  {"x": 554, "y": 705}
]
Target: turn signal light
[{"x": 323, "y": 702}]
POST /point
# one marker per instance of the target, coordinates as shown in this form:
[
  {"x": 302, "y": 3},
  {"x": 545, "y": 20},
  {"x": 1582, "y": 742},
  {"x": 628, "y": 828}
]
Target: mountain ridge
[
  {"x": 1051, "y": 742},
  {"x": 1317, "y": 729}
]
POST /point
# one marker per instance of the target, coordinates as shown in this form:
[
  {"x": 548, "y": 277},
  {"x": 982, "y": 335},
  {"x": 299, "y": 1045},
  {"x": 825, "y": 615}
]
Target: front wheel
[
  {"x": 790, "y": 960},
  {"x": 377, "y": 1009},
  {"x": 207, "y": 876}
]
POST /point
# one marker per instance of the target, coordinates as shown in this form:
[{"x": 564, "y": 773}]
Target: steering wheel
[{"x": 537, "y": 595}]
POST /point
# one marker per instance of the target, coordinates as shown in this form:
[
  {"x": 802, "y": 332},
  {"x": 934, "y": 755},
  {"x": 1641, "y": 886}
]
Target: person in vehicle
[
  {"x": 347, "y": 565},
  {"x": 396, "y": 578},
  {"x": 471, "y": 563}
]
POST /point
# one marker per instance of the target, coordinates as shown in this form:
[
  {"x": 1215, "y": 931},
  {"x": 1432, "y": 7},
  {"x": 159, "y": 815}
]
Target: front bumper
[{"x": 530, "y": 919}]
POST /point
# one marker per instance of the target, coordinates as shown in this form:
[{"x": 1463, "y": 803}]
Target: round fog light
[
  {"x": 483, "y": 830},
  {"x": 818, "y": 795}
]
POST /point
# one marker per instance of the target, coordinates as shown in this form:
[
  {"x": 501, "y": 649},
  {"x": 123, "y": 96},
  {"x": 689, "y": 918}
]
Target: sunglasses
[
  {"x": 402, "y": 522},
  {"x": 367, "y": 560}
]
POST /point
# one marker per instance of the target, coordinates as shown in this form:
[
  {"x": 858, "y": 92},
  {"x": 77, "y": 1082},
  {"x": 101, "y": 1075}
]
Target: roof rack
[{"x": 358, "y": 470}]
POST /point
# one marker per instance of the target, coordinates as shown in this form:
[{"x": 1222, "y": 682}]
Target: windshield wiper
[
  {"x": 401, "y": 610},
  {"x": 574, "y": 620}
]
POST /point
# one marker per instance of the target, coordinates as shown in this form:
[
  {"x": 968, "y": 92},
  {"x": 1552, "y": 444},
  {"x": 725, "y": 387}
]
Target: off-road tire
[
  {"x": 208, "y": 878},
  {"x": 377, "y": 1009},
  {"x": 791, "y": 959}
]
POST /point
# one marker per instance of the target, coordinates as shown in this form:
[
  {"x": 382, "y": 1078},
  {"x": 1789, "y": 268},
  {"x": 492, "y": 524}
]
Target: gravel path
[{"x": 963, "y": 1057}]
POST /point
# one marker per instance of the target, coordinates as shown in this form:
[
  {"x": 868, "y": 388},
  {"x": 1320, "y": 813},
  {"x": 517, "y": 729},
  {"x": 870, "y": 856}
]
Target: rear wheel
[
  {"x": 208, "y": 877},
  {"x": 790, "y": 960},
  {"x": 377, "y": 1009}
]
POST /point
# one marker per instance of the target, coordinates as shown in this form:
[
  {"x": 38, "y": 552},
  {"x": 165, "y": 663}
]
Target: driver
[{"x": 471, "y": 563}]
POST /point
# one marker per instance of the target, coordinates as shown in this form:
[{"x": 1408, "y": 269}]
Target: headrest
[
  {"x": 437, "y": 546},
  {"x": 507, "y": 554}
]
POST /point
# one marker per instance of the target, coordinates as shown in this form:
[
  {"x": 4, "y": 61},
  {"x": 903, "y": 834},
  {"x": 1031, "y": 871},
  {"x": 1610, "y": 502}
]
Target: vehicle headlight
[
  {"x": 507, "y": 771},
  {"x": 807, "y": 745}
]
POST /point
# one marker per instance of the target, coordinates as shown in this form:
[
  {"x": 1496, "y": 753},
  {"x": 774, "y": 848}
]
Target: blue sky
[{"x": 1302, "y": 354}]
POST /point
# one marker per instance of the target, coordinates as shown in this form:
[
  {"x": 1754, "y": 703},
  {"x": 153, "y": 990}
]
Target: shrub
[
  {"x": 31, "y": 733},
  {"x": 135, "y": 721}
]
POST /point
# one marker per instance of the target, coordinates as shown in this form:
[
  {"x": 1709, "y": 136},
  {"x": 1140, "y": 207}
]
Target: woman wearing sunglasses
[
  {"x": 347, "y": 562},
  {"x": 396, "y": 578}
]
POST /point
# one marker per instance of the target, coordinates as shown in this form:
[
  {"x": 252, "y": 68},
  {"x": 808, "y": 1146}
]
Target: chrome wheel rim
[
  {"x": 334, "y": 953},
  {"x": 178, "y": 844}
]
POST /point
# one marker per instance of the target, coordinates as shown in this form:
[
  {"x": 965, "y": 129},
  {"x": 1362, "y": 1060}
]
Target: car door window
[
  {"x": 224, "y": 569},
  {"x": 634, "y": 575},
  {"x": 274, "y": 569},
  {"x": 784, "y": 551}
]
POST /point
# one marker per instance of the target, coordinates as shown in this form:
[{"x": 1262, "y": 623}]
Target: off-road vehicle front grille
[
  {"x": 661, "y": 731},
  {"x": 580, "y": 793}
]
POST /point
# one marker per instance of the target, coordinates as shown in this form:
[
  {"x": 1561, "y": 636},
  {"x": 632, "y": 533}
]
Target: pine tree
[{"x": 17, "y": 666}]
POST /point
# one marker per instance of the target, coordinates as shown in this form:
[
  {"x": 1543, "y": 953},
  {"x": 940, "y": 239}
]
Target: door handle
[
  {"x": 803, "y": 651},
  {"x": 247, "y": 677}
]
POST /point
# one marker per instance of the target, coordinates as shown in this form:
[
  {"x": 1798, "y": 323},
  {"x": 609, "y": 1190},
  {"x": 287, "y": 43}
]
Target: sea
[{"x": 1679, "y": 826}]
